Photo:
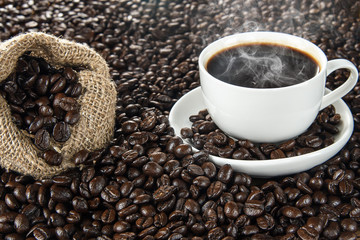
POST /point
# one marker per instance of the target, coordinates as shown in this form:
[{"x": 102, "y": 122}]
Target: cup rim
[{"x": 234, "y": 39}]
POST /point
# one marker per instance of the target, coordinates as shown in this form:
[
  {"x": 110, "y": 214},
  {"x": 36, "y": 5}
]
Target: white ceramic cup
[{"x": 270, "y": 114}]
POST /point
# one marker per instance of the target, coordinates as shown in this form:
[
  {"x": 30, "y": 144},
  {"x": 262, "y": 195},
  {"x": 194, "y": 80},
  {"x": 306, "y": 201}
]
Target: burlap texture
[{"x": 97, "y": 104}]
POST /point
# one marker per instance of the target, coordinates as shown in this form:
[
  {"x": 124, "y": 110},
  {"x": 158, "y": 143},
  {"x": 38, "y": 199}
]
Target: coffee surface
[{"x": 262, "y": 65}]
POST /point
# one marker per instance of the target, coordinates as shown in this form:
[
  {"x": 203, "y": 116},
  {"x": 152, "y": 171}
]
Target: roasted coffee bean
[
  {"x": 313, "y": 141},
  {"x": 163, "y": 193},
  {"x": 186, "y": 133},
  {"x": 80, "y": 157},
  {"x": 76, "y": 90},
  {"x": 288, "y": 145},
  {"x": 265, "y": 222},
  {"x": 291, "y": 212},
  {"x": 128, "y": 211},
  {"x": 201, "y": 182},
  {"x": 195, "y": 170},
  {"x": 121, "y": 226},
  {"x": 241, "y": 154},
  {"x": 209, "y": 169},
  {"x": 58, "y": 83},
  {"x": 42, "y": 84},
  {"x": 278, "y": 153},
  {"x": 46, "y": 111},
  {"x": 72, "y": 117},
  {"x": 192, "y": 206},
  {"x": 42, "y": 139},
  {"x": 60, "y": 194},
  {"x": 36, "y": 124},
  {"x": 70, "y": 74},
  {"x": 225, "y": 173},
  {"x": 267, "y": 148},
  {"x": 332, "y": 231},
  {"x": 80, "y": 204},
  {"x": 215, "y": 189},
  {"x": 52, "y": 158},
  {"x": 153, "y": 169},
  {"x": 307, "y": 232},
  {"x": 110, "y": 193},
  {"x": 304, "y": 201},
  {"x": 61, "y": 132},
  {"x": 253, "y": 208},
  {"x": 216, "y": 233},
  {"x": 250, "y": 230},
  {"x": 231, "y": 210},
  {"x": 182, "y": 150}
]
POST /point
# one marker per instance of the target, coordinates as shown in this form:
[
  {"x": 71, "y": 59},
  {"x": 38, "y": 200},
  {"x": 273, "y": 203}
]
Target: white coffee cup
[{"x": 270, "y": 114}]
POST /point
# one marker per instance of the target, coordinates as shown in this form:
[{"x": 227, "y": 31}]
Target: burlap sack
[{"x": 96, "y": 125}]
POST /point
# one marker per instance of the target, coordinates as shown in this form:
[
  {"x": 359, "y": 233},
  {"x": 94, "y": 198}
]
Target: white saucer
[{"x": 192, "y": 102}]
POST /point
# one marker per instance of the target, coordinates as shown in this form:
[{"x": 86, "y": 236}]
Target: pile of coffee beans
[
  {"x": 43, "y": 102},
  {"x": 205, "y": 135},
  {"x": 148, "y": 184}
]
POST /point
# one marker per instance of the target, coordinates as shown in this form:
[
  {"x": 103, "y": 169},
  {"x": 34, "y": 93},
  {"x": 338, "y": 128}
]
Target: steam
[
  {"x": 310, "y": 21},
  {"x": 261, "y": 66}
]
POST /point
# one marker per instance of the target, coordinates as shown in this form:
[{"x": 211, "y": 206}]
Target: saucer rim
[{"x": 271, "y": 167}]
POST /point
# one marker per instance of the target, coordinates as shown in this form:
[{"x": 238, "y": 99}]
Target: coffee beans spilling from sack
[
  {"x": 49, "y": 111},
  {"x": 205, "y": 135},
  {"x": 43, "y": 102},
  {"x": 155, "y": 189}
]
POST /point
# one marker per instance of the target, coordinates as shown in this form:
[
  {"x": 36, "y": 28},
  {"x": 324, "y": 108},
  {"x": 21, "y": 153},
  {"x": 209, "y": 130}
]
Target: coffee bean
[
  {"x": 61, "y": 132},
  {"x": 265, "y": 222},
  {"x": 186, "y": 133},
  {"x": 60, "y": 194},
  {"x": 307, "y": 233},
  {"x": 80, "y": 204},
  {"x": 138, "y": 138},
  {"x": 128, "y": 211},
  {"x": 253, "y": 208},
  {"x": 288, "y": 145},
  {"x": 121, "y": 226},
  {"x": 42, "y": 84},
  {"x": 36, "y": 124},
  {"x": 250, "y": 230},
  {"x": 80, "y": 157},
  {"x": 291, "y": 212},
  {"x": 52, "y": 158},
  {"x": 153, "y": 169},
  {"x": 225, "y": 173},
  {"x": 58, "y": 84},
  {"x": 46, "y": 111},
  {"x": 209, "y": 169},
  {"x": 313, "y": 141},
  {"x": 304, "y": 201},
  {"x": 195, "y": 170},
  {"x": 72, "y": 117},
  {"x": 110, "y": 194},
  {"x": 349, "y": 225},
  {"x": 278, "y": 153},
  {"x": 215, "y": 189},
  {"x": 76, "y": 90},
  {"x": 332, "y": 231},
  {"x": 182, "y": 150},
  {"x": 42, "y": 139},
  {"x": 231, "y": 210},
  {"x": 216, "y": 233}
]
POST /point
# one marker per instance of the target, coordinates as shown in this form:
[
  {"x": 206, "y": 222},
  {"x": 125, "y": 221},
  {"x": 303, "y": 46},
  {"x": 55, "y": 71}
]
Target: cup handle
[{"x": 345, "y": 87}]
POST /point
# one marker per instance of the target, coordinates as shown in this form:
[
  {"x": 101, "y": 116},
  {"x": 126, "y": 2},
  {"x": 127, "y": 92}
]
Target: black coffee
[{"x": 262, "y": 66}]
